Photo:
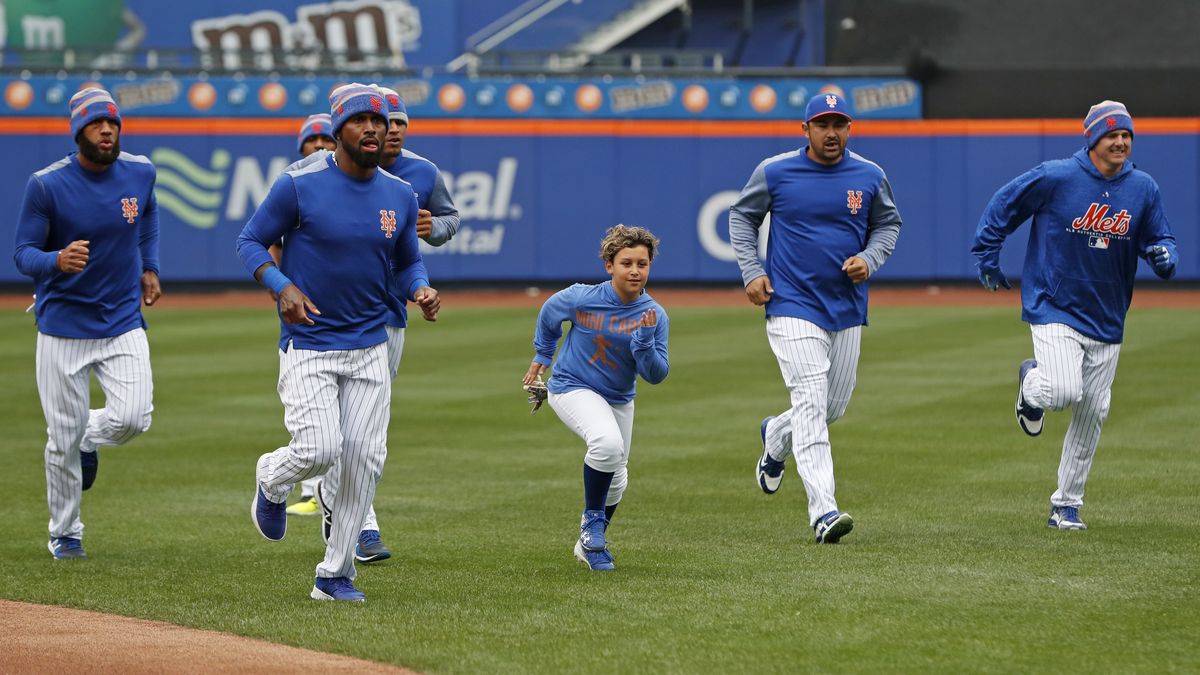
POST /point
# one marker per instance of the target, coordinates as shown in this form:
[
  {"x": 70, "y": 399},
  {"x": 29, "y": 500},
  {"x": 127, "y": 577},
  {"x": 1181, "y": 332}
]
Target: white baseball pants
[
  {"x": 329, "y": 487},
  {"x": 1073, "y": 370},
  {"x": 606, "y": 429},
  {"x": 336, "y": 407},
  {"x": 819, "y": 368},
  {"x": 64, "y": 368}
]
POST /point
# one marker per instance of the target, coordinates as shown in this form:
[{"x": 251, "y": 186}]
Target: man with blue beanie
[
  {"x": 1093, "y": 215},
  {"x": 316, "y": 134},
  {"x": 87, "y": 234},
  {"x": 350, "y": 250}
]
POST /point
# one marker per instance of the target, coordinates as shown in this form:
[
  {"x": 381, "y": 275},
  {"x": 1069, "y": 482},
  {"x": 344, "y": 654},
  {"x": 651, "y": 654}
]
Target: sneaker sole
[
  {"x": 1029, "y": 426},
  {"x": 840, "y": 528},
  {"x": 1055, "y": 526},
  {"x": 760, "y": 476},
  {"x": 579, "y": 555},
  {"x": 293, "y": 511},
  {"x": 378, "y": 557},
  {"x": 318, "y": 594}
]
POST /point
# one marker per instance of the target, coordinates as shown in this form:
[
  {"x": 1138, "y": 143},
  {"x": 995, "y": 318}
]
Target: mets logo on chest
[
  {"x": 387, "y": 220},
  {"x": 854, "y": 201},
  {"x": 1097, "y": 220},
  {"x": 129, "y": 208}
]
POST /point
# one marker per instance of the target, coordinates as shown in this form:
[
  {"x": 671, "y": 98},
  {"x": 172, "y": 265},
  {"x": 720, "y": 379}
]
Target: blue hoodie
[{"x": 1087, "y": 234}]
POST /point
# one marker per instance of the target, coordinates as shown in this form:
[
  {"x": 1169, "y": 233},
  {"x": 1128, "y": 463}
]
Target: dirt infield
[
  {"x": 881, "y": 296},
  {"x": 35, "y": 636}
]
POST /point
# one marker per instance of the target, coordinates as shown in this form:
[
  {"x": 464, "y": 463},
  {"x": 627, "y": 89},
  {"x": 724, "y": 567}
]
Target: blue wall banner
[
  {"x": 448, "y": 96},
  {"x": 535, "y": 195}
]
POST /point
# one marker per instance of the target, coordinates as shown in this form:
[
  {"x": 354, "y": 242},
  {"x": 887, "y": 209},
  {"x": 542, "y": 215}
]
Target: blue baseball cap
[{"x": 826, "y": 104}]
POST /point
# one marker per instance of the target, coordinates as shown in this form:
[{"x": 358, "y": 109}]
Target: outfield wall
[{"x": 536, "y": 195}]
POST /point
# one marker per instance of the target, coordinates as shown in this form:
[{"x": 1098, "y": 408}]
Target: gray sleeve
[
  {"x": 745, "y": 217},
  {"x": 445, "y": 216},
  {"x": 883, "y": 228}
]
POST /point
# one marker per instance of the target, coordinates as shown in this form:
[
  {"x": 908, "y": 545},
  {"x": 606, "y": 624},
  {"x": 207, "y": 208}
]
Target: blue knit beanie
[
  {"x": 1103, "y": 118},
  {"x": 316, "y": 125},
  {"x": 396, "y": 109},
  {"x": 89, "y": 105},
  {"x": 351, "y": 99}
]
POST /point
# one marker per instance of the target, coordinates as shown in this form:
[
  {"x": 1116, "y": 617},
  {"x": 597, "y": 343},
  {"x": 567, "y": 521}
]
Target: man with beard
[
  {"x": 437, "y": 221},
  {"x": 87, "y": 234},
  {"x": 833, "y": 224},
  {"x": 1094, "y": 215},
  {"x": 350, "y": 240}
]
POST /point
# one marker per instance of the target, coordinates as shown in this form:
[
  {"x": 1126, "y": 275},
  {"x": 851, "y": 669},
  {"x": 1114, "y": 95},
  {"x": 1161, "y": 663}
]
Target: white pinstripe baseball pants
[
  {"x": 819, "y": 368},
  {"x": 329, "y": 486},
  {"x": 607, "y": 430},
  {"x": 1073, "y": 370},
  {"x": 336, "y": 408},
  {"x": 64, "y": 368}
]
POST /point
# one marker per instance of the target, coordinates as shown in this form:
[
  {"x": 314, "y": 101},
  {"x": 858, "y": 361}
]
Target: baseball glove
[{"x": 537, "y": 394}]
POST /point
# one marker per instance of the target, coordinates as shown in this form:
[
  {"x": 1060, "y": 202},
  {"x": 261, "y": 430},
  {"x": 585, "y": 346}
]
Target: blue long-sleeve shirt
[
  {"x": 1085, "y": 239},
  {"x": 605, "y": 349},
  {"x": 350, "y": 246},
  {"x": 820, "y": 216},
  {"x": 116, "y": 212}
]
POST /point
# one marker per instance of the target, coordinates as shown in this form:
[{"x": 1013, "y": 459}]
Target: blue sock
[
  {"x": 595, "y": 488},
  {"x": 610, "y": 510}
]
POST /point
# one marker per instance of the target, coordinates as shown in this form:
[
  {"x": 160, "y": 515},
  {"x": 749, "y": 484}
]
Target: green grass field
[{"x": 950, "y": 567}]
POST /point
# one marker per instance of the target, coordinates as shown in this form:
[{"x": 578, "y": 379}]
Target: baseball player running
[
  {"x": 87, "y": 234},
  {"x": 315, "y": 134},
  {"x": 350, "y": 239},
  {"x": 833, "y": 224},
  {"x": 617, "y": 333},
  {"x": 1094, "y": 215},
  {"x": 437, "y": 221}
]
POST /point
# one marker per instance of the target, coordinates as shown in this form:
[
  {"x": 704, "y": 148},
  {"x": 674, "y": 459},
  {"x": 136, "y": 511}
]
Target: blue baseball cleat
[
  {"x": 1065, "y": 518},
  {"x": 598, "y": 561},
  {"x": 833, "y": 526},
  {"x": 66, "y": 548},
  {"x": 769, "y": 471},
  {"x": 591, "y": 531},
  {"x": 336, "y": 588},
  {"x": 1029, "y": 418},
  {"x": 270, "y": 519},
  {"x": 370, "y": 547},
  {"x": 89, "y": 463}
]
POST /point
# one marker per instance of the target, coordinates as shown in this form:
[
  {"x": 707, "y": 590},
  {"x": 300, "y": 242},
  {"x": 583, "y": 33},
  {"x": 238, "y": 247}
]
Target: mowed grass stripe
[{"x": 950, "y": 567}]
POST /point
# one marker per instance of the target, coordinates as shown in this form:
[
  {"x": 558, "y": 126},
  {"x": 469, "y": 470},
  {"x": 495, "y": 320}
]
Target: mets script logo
[
  {"x": 387, "y": 221},
  {"x": 854, "y": 200},
  {"x": 1097, "y": 220},
  {"x": 831, "y": 100},
  {"x": 129, "y": 208}
]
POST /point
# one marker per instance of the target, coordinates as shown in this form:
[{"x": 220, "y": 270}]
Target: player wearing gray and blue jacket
[
  {"x": 350, "y": 250},
  {"x": 833, "y": 224},
  {"x": 1094, "y": 215},
  {"x": 617, "y": 333}
]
